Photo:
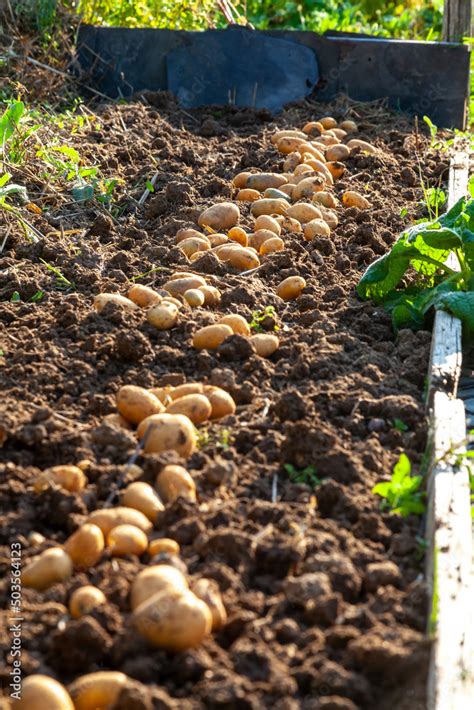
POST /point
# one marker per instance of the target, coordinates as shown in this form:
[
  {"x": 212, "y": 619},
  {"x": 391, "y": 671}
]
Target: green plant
[
  {"x": 402, "y": 494},
  {"x": 61, "y": 281},
  {"x": 304, "y": 475},
  {"x": 400, "y": 425},
  {"x": 418, "y": 261},
  {"x": 259, "y": 317}
]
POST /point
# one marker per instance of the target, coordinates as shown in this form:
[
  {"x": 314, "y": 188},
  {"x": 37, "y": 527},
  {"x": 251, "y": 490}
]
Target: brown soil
[{"x": 353, "y": 636}]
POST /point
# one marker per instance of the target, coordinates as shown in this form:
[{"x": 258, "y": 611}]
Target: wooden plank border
[{"x": 449, "y": 561}]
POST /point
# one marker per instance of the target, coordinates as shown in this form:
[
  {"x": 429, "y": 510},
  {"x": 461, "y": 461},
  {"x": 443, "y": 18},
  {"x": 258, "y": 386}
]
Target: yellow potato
[
  {"x": 301, "y": 172},
  {"x": 188, "y": 388},
  {"x": 354, "y": 199},
  {"x": 103, "y": 299},
  {"x": 307, "y": 187},
  {"x": 135, "y": 403},
  {"x": 194, "y": 297},
  {"x": 265, "y": 344},
  {"x": 327, "y": 139},
  {"x": 142, "y": 497},
  {"x": 287, "y": 133},
  {"x": 108, "y": 518},
  {"x": 239, "y": 235},
  {"x": 208, "y": 591},
  {"x": 330, "y": 217},
  {"x": 40, "y": 692},
  {"x": 175, "y": 481},
  {"x": 287, "y": 189},
  {"x": 163, "y": 545},
  {"x": 268, "y": 206},
  {"x": 267, "y": 222},
  {"x": 53, "y": 565},
  {"x": 329, "y": 132},
  {"x": 84, "y": 600},
  {"x": 291, "y": 288},
  {"x": 291, "y": 161},
  {"x": 337, "y": 169},
  {"x": 248, "y": 195},
  {"x": 173, "y": 619},
  {"x": 97, "y": 691},
  {"x": 272, "y": 193},
  {"x": 349, "y": 126},
  {"x": 221, "y": 216},
  {"x": 339, "y": 133},
  {"x": 289, "y": 144},
  {"x": 262, "y": 181},
  {"x": 362, "y": 145},
  {"x": 155, "y": 579},
  {"x": 163, "y": 393},
  {"x": 326, "y": 199},
  {"x": 126, "y": 540},
  {"x": 221, "y": 402},
  {"x": 168, "y": 432},
  {"x": 85, "y": 545},
  {"x": 317, "y": 227},
  {"x": 240, "y": 258},
  {"x": 238, "y": 323},
  {"x": 69, "y": 477},
  {"x": 178, "y": 286},
  {"x": 187, "y": 233},
  {"x": 337, "y": 152},
  {"x": 240, "y": 180},
  {"x": 312, "y": 150},
  {"x": 258, "y": 238},
  {"x": 164, "y": 315},
  {"x": 194, "y": 406},
  {"x": 194, "y": 244},
  {"x": 175, "y": 301},
  {"x": 272, "y": 245},
  {"x": 194, "y": 257},
  {"x": 143, "y": 296},
  {"x": 322, "y": 168},
  {"x": 304, "y": 212},
  {"x": 211, "y": 336},
  {"x": 290, "y": 224},
  {"x": 184, "y": 275},
  {"x": 328, "y": 122},
  {"x": 217, "y": 239},
  {"x": 313, "y": 126}
]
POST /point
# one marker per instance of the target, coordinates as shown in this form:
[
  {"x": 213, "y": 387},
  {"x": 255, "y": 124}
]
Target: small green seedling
[
  {"x": 303, "y": 475},
  {"x": 402, "y": 494},
  {"x": 400, "y": 425},
  {"x": 62, "y": 282},
  {"x": 258, "y": 317}
]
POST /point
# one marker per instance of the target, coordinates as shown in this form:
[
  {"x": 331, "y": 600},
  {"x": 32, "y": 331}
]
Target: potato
[
  {"x": 291, "y": 161},
  {"x": 267, "y": 222},
  {"x": 194, "y": 406},
  {"x": 175, "y": 301},
  {"x": 208, "y": 591},
  {"x": 184, "y": 275},
  {"x": 155, "y": 579},
  {"x": 142, "y": 497},
  {"x": 313, "y": 126},
  {"x": 239, "y": 235},
  {"x": 329, "y": 132},
  {"x": 162, "y": 393},
  {"x": 211, "y": 336},
  {"x": 143, "y": 296},
  {"x": 287, "y": 132},
  {"x": 288, "y": 190},
  {"x": 219, "y": 217},
  {"x": 326, "y": 199},
  {"x": 327, "y": 139},
  {"x": 304, "y": 212},
  {"x": 97, "y": 691},
  {"x": 349, "y": 126},
  {"x": 291, "y": 288},
  {"x": 265, "y": 344},
  {"x": 163, "y": 545},
  {"x": 217, "y": 239},
  {"x": 163, "y": 316},
  {"x": 85, "y": 545},
  {"x": 240, "y": 258},
  {"x": 103, "y": 299},
  {"x": 272, "y": 245},
  {"x": 194, "y": 244},
  {"x": 108, "y": 518},
  {"x": 307, "y": 187},
  {"x": 354, "y": 199},
  {"x": 188, "y": 233},
  {"x": 84, "y": 600},
  {"x": 237, "y": 323},
  {"x": 168, "y": 432},
  {"x": 248, "y": 195},
  {"x": 175, "y": 481},
  {"x": 339, "y": 133},
  {"x": 221, "y": 402},
  {"x": 259, "y": 237},
  {"x": 178, "y": 286},
  {"x": 336, "y": 169},
  {"x": 173, "y": 619},
  {"x": 268, "y": 206},
  {"x": 194, "y": 297},
  {"x": 337, "y": 152},
  {"x": 317, "y": 227},
  {"x": 289, "y": 144},
  {"x": 126, "y": 540},
  {"x": 40, "y": 692},
  {"x": 262, "y": 181},
  {"x": 363, "y": 146},
  {"x": 290, "y": 224},
  {"x": 188, "y": 388},
  {"x": 69, "y": 477},
  {"x": 322, "y": 168},
  {"x": 240, "y": 180},
  {"x": 328, "y": 122},
  {"x": 312, "y": 150},
  {"x": 273, "y": 193},
  {"x": 135, "y": 403},
  {"x": 53, "y": 565},
  {"x": 330, "y": 217}
]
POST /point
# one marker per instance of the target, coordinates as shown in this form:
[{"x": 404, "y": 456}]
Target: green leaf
[
  {"x": 10, "y": 120},
  {"x": 82, "y": 192},
  {"x": 15, "y": 297},
  {"x": 460, "y": 304}
]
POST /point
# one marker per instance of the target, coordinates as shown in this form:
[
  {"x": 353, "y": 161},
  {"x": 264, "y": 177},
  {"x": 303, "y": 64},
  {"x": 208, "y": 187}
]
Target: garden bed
[{"x": 284, "y": 485}]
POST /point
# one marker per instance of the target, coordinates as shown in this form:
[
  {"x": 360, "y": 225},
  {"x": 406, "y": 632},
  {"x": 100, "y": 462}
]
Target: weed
[
  {"x": 147, "y": 273},
  {"x": 15, "y": 297},
  {"x": 62, "y": 283},
  {"x": 402, "y": 494},
  {"x": 400, "y": 425},
  {"x": 259, "y": 317},
  {"x": 222, "y": 438},
  {"x": 303, "y": 475}
]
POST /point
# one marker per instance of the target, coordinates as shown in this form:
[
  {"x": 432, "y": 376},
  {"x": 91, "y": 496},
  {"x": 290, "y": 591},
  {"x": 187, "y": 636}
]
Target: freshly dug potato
[
  {"x": 320, "y": 167},
  {"x": 53, "y": 565},
  {"x": 239, "y": 235},
  {"x": 116, "y": 420},
  {"x": 259, "y": 237},
  {"x": 194, "y": 406},
  {"x": 194, "y": 297},
  {"x": 336, "y": 169},
  {"x": 313, "y": 127},
  {"x": 221, "y": 402},
  {"x": 84, "y": 600},
  {"x": 315, "y": 228},
  {"x": 211, "y": 336},
  {"x": 307, "y": 187},
  {"x": 267, "y": 222},
  {"x": 328, "y": 122},
  {"x": 290, "y": 224},
  {"x": 155, "y": 579},
  {"x": 219, "y": 217},
  {"x": 217, "y": 239},
  {"x": 330, "y": 217},
  {"x": 143, "y": 296},
  {"x": 240, "y": 180},
  {"x": 287, "y": 133},
  {"x": 164, "y": 315},
  {"x": 238, "y": 323},
  {"x": 339, "y": 133},
  {"x": 326, "y": 199},
  {"x": 69, "y": 477},
  {"x": 108, "y": 518},
  {"x": 168, "y": 432},
  {"x": 365, "y": 147},
  {"x": 142, "y": 497},
  {"x": 300, "y": 171},
  {"x": 173, "y": 619},
  {"x": 354, "y": 199},
  {"x": 272, "y": 245},
  {"x": 178, "y": 286},
  {"x": 175, "y": 301},
  {"x": 349, "y": 126},
  {"x": 304, "y": 212},
  {"x": 85, "y": 545},
  {"x": 268, "y": 206},
  {"x": 103, "y": 299},
  {"x": 188, "y": 388},
  {"x": 163, "y": 545},
  {"x": 289, "y": 144},
  {"x": 312, "y": 150},
  {"x": 291, "y": 288},
  {"x": 327, "y": 139},
  {"x": 212, "y": 295},
  {"x": 336, "y": 153},
  {"x": 163, "y": 393},
  {"x": 173, "y": 482},
  {"x": 248, "y": 195},
  {"x": 291, "y": 161},
  {"x": 208, "y": 591},
  {"x": 188, "y": 233},
  {"x": 183, "y": 275},
  {"x": 194, "y": 244},
  {"x": 126, "y": 540},
  {"x": 40, "y": 692},
  {"x": 262, "y": 181},
  {"x": 265, "y": 344},
  {"x": 240, "y": 258},
  {"x": 287, "y": 190},
  {"x": 135, "y": 403},
  {"x": 273, "y": 193},
  {"x": 97, "y": 691}
]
